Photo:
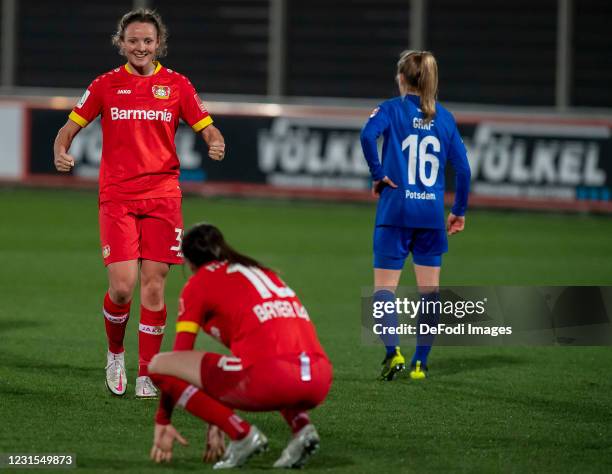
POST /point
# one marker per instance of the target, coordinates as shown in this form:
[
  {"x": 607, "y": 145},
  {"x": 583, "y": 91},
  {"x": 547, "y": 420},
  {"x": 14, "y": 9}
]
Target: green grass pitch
[{"x": 546, "y": 409}]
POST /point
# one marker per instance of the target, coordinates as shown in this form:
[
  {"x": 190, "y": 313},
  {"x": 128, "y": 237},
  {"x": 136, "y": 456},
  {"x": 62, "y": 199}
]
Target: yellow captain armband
[
  {"x": 202, "y": 124},
  {"x": 78, "y": 119},
  {"x": 187, "y": 326}
]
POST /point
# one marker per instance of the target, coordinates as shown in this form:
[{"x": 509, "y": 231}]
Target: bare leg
[
  {"x": 122, "y": 278},
  {"x": 387, "y": 279},
  {"x": 184, "y": 365},
  {"x": 152, "y": 284},
  {"x": 428, "y": 278}
]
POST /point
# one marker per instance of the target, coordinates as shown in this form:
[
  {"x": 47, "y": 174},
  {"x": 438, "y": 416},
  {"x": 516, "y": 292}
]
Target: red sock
[
  {"x": 296, "y": 419},
  {"x": 178, "y": 392},
  {"x": 150, "y": 335},
  {"x": 115, "y": 319}
]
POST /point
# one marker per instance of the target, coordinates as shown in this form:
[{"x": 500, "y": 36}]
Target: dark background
[{"x": 488, "y": 52}]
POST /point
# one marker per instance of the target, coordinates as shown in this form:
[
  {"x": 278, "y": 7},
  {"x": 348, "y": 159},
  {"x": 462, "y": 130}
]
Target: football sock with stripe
[
  {"x": 296, "y": 419},
  {"x": 150, "y": 335},
  {"x": 115, "y": 320},
  {"x": 430, "y": 316},
  {"x": 389, "y": 319},
  {"x": 177, "y": 392}
]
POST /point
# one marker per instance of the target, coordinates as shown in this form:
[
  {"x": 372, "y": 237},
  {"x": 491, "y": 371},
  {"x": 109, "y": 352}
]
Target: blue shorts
[{"x": 393, "y": 244}]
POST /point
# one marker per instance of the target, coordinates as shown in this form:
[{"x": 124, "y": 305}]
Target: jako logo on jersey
[
  {"x": 161, "y": 92},
  {"x": 121, "y": 114},
  {"x": 123, "y": 91}
]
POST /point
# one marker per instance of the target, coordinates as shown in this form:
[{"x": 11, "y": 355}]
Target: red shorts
[
  {"x": 294, "y": 381},
  {"x": 149, "y": 229}
]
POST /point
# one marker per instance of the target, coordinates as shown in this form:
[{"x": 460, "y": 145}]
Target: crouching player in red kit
[{"x": 277, "y": 362}]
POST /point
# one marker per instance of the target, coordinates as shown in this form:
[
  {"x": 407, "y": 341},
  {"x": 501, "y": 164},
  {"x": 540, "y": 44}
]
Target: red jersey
[
  {"x": 140, "y": 115},
  {"x": 248, "y": 309}
]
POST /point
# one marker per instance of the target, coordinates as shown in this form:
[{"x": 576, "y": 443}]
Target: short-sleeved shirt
[
  {"x": 140, "y": 116},
  {"x": 248, "y": 309}
]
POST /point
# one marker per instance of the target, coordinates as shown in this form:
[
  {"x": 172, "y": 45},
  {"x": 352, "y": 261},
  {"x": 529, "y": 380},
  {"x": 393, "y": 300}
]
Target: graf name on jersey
[
  {"x": 421, "y": 124},
  {"x": 279, "y": 309},
  {"x": 135, "y": 114}
]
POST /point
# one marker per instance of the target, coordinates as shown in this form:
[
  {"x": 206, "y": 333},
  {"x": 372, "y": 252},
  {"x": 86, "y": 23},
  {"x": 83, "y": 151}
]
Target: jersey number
[
  {"x": 179, "y": 240},
  {"x": 413, "y": 146},
  {"x": 230, "y": 364},
  {"x": 262, "y": 283}
]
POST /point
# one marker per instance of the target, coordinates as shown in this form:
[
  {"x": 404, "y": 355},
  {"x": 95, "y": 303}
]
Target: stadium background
[{"x": 290, "y": 83}]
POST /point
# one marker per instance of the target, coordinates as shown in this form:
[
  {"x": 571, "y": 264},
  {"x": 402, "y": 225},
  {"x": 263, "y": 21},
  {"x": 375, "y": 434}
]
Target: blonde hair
[
  {"x": 143, "y": 15},
  {"x": 420, "y": 71}
]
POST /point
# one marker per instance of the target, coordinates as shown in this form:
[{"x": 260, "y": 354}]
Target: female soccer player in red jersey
[
  {"x": 277, "y": 362},
  {"x": 140, "y": 219}
]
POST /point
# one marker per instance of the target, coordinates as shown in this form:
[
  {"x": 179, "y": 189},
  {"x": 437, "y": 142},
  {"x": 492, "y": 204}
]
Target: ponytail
[
  {"x": 420, "y": 71},
  {"x": 428, "y": 85},
  {"x": 204, "y": 243}
]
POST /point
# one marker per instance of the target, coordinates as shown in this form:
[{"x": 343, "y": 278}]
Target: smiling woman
[
  {"x": 141, "y": 37},
  {"x": 140, "y": 219}
]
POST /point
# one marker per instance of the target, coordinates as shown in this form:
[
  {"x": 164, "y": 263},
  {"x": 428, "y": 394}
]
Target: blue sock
[
  {"x": 431, "y": 317},
  {"x": 389, "y": 319},
  {"x": 390, "y": 351}
]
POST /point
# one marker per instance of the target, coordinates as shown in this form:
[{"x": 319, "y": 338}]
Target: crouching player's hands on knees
[
  {"x": 215, "y": 444},
  {"x": 163, "y": 442},
  {"x": 454, "y": 224}
]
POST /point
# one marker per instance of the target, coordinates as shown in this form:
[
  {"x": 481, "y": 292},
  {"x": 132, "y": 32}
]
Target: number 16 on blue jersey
[{"x": 414, "y": 157}]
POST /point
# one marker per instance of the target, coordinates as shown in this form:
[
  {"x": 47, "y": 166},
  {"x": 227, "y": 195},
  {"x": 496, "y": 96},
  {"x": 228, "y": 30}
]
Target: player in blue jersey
[{"x": 420, "y": 137}]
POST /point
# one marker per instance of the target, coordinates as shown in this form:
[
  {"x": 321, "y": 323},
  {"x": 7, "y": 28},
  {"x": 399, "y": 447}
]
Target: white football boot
[
  {"x": 239, "y": 452},
  {"x": 145, "y": 388},
  {"x": 303, "y": 445},
  {"x": 116, "y": 378}
]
